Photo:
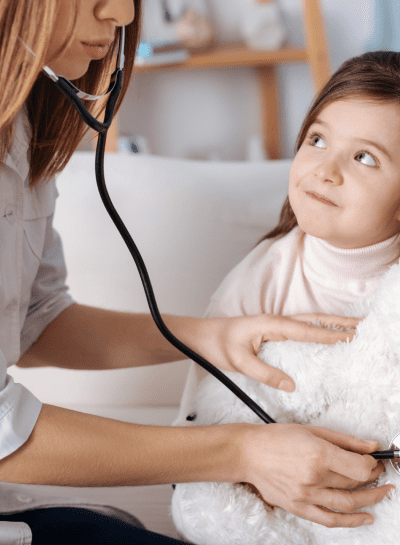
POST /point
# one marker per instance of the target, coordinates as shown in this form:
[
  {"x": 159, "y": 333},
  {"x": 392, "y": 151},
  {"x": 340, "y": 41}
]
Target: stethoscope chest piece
[
  {"x": 392, "y": 454},
  {"x": 395, "y": 446}
]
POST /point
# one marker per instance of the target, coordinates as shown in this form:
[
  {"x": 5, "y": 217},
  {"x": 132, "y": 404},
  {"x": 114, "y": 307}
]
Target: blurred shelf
[
  {"x": 233, "y": 55},
  {"x": 264, "y": 62}
]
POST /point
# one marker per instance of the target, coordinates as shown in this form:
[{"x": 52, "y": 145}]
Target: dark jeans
[{"x": 77, "y": 526}]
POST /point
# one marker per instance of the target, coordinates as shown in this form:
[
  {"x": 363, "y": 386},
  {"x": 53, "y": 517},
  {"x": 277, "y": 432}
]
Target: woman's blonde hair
[{"x": 57, "y": 129}]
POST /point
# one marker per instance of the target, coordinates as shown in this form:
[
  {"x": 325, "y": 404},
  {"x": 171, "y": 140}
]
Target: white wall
[{"x": 190, "y": 114}]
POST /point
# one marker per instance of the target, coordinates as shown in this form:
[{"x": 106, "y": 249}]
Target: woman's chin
[{"x": 70, "y": 72}]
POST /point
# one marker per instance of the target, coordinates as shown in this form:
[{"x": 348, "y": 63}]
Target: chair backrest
[{"x": 191, "y": 220}]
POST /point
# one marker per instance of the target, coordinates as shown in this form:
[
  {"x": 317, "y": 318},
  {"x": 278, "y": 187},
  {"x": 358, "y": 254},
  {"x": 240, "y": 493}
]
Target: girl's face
[
  {"x": 97, "y": 21},
  {"x": 345, "y": 179}
]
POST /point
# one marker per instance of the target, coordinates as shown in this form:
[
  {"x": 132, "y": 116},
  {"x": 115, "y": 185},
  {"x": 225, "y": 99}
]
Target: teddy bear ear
[{"x": 386, "y": 307}]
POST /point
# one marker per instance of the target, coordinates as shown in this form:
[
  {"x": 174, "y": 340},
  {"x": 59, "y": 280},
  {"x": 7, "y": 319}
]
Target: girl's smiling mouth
[{"x": 320, "y": 198}]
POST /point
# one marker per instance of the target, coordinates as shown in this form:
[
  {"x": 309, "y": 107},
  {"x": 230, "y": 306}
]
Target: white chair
[{"x": 192, "y": 221}]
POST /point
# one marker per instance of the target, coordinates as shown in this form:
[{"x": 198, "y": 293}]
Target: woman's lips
[
  {"x": 320, "y": 198},
  {"x": 96, "y": 51}
]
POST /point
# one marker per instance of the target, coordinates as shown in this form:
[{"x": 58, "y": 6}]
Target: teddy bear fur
[{"x": 352, "y": 387}]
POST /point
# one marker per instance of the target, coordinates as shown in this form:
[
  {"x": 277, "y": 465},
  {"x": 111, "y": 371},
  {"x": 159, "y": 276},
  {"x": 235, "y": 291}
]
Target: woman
[{"x": 41, "y": 325}]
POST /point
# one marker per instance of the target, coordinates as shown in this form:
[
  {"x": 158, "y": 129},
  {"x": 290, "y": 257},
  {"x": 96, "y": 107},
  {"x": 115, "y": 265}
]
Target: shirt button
[
  {"x": 11, "y": 307},
  {"x": 23, "y": 499},
  {"x": 10, "y": 213}
]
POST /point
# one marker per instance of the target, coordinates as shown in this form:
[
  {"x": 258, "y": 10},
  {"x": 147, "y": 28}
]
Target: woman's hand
[
  {"x": 233, "y": 343},
  {"x": 311, "y": 472},
  {"x": 83, "y": 337}
]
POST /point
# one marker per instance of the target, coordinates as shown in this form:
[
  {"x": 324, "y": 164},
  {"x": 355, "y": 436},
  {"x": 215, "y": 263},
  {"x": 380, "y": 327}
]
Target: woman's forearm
[
  {"x": 75, "y": 449},
  {"x": 83, "y": 337},
  {"x": 294, "y": 467}
]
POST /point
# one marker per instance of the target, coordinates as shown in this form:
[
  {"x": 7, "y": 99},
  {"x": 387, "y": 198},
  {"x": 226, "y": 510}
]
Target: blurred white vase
[{"x": 262, "y": 26}]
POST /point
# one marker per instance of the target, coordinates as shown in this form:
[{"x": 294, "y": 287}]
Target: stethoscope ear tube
[{"x": 69, "y": 91}]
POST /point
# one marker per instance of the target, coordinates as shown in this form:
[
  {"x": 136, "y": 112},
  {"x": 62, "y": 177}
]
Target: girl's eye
[
  {"x": 366, "y": 159},
  {"x": 317, "y": 141}
]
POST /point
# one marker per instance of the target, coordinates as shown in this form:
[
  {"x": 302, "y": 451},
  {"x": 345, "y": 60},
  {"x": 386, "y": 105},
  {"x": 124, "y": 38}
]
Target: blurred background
[{"x": 215, "y": 113}]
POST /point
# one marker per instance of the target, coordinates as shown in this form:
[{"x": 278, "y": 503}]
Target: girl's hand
[
  {"x": 233, "y": 343},
  {"x": 311, "y": 472}
]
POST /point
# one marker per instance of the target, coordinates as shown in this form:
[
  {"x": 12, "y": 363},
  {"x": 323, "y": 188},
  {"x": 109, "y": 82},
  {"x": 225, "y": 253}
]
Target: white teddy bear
[{"x": 351, "y": 387}]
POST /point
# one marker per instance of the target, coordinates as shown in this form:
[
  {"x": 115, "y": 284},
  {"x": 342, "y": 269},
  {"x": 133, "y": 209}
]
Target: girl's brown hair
[
  {"x": 374, "y": 75},
  {"x": 57, "y": 129}
]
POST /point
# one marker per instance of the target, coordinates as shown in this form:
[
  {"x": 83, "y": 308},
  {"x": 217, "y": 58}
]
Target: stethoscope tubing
[
  {"x": 143, "y": 273},
  {"x": 385, "y": 454},
  {"x": 70, "y": 92}
]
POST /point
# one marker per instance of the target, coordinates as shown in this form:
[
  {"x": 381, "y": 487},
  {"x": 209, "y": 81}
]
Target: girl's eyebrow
[{"x": 362, "y": 140}]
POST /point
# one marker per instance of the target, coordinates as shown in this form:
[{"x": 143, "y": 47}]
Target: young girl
[{"x": 338, "y": 234}]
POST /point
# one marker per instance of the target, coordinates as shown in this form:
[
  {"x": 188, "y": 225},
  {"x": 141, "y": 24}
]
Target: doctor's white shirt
[{"x": 32, "y": 294}]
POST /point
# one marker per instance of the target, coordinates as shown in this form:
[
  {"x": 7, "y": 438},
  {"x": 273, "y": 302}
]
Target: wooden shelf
[
  {"x": 227, "y": 56},
  {"x": 264, "y": 63}
]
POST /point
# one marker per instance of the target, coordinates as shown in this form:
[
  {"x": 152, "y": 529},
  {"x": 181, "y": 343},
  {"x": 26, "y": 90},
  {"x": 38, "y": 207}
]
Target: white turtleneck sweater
[
  {"x": 295, "y": 274},
  {"x": 300, "y": 273}
]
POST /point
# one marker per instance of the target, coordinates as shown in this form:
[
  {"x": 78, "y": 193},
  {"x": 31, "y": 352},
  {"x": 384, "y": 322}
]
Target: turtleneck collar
[{"x": 328, "y": 261}]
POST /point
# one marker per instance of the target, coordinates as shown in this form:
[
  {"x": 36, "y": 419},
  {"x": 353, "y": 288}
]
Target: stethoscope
[{"x": 75, "y": 95}]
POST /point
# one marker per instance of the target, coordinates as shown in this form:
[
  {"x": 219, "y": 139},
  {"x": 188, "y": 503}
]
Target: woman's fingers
[
  {"x": 343, "y": 440},
  {"x": 337, "y": 503},
  {"x": 345, "y": 501},
  {"x": 328, "y": 320},
  {"x": 253, "y": 367},
  {"x": 334, "y": 520},
  {"x": 341, "y": 482},
  {"x": 296, "y": 468},
  {"x": 349, "y": 464},
  {"x": 280, "y": 328},
  {"x": 240, "y": 339},
  {"x": 300, "y": 329},
  {"x": 337, "y": 480},
  {"x": 341, "y": 454}
]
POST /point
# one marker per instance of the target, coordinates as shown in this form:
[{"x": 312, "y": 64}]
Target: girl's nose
[{"x": 329, "y": 171}]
